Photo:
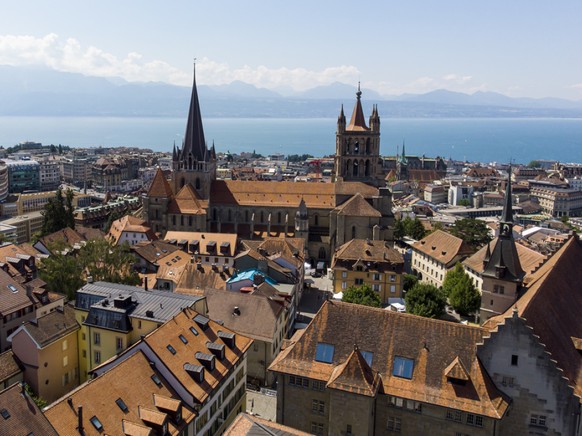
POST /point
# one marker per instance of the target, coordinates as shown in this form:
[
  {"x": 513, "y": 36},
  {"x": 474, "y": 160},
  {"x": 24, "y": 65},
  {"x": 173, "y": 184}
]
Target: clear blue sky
[{"x": 522, "y": 48}]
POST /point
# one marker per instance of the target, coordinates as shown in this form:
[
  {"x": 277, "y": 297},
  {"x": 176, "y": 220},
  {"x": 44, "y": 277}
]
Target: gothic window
[
  {"x": 279, "y": 217},
  {"x": 348, "y": 147},
  {"x": 357, "y": 147},
  {"x": 246, "y": 216},
  {"x": 348, "y": 167},
  {"x": 355, "y": 169},
  {"x": 190, "y": 162},
  {"x": 367, "y": 171},
  {"x": 368, "y": 146},
  {"x": 197, "y": 182},
  {"x": 262, "y": 217},
  {"x": 322, "y": 253}
]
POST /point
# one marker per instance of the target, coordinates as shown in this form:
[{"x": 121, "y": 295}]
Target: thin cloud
[{"x": 69, "y": 55}]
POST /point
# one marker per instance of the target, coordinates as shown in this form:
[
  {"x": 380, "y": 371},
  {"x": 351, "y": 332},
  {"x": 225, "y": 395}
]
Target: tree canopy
[
  {"x": 98, "y": 259},
  {"x": 425, "y": 300},
  {"x": 362, "y": 295},
  {"x": 58, "y": 213},
  {"x": 473, "y": 232},
  {"x": 461, "y": 292},
  {"x": 409, "y": 227}
]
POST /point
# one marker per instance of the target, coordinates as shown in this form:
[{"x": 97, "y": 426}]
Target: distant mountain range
[{"x": 34, "y": 92}]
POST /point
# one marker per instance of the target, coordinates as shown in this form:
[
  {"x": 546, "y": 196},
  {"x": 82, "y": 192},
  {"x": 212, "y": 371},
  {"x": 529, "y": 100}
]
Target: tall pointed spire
[
  {"x": 507, "y": 215},
  {"x": 358, "y": 122},
  {"x": 194, "y": 147}
]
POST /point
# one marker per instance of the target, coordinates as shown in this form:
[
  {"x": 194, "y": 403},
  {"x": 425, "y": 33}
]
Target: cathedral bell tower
[
  {"x": 502, "y": 272},
  {"x": 194, "y": 162},
  {"x": 357, "y": 152}
]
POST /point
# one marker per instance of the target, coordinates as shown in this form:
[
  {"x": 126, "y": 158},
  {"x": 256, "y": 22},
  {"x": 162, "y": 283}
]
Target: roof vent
[
  {"x": 236, "y": 311},
  {"x": 150, "y": 313}
]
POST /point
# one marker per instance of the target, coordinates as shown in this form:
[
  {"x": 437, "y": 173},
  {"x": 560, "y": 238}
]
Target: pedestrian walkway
[{"x": 262, "y": 405}]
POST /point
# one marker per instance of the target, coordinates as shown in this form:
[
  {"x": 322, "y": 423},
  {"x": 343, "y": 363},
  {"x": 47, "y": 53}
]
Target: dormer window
[{"x": 208, "y": 360}]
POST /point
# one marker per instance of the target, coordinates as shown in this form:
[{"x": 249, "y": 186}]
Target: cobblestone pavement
[{"x": 319, "y": 290}]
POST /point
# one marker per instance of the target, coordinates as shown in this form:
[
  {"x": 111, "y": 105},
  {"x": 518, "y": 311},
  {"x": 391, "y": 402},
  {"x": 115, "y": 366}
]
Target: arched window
[
  {"x": 355, "y": 169},
  {"x": 348, "y": 167},
  {"x": 357, "y": 147},
  {"x": 367, "y": 171},
  {"x": 262, "y": 217},
  {"x": 368, "y": 146},
  {"x": 322, "y": 254}
]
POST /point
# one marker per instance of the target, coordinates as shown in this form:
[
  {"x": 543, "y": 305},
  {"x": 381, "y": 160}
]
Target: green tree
[
  {"x": 98, "y": 259},
  {"x": 399, "y": 231},
  {"x": 110, "y": 263},
  {"x": 473, "y": 232},
  {"x": 113, "y": 216},
  {"x": 414, "y": 228},
  {"x": 408, "y": 281},
  {"x": 425, "y": 300},
  {"x": 464, "y": 202},
  {"x": 437, "y": 225},
  {"x": 58, "y": 213},
  {"x": 362, "y": 295},
  {"x": 533, "y": 164},
  {"x": 461, "y": 292}
]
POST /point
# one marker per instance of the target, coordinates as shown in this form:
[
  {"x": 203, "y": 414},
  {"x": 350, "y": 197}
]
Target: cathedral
[{"x": 325, "y": 215}]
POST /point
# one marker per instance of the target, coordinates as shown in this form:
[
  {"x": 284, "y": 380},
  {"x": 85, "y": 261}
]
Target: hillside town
[{"x": 199, "y": 292}]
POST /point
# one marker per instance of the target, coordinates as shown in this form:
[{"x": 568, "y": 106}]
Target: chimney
[{"x": 80, "y": 419}]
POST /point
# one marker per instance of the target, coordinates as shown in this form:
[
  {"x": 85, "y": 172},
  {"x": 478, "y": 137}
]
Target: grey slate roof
[
  {"x": 162, "y": 305},
  {"x": 52, "y": 326}
]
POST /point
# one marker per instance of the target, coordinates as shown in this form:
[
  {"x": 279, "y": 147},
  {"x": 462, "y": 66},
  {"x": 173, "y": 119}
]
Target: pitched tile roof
[
  {"x": 355, "y": 376},
  {"x": 221, "y": 304},
  {"x": 160, "y": 186},
  {"x": 530, "y": 260},
  {"x": 24, "y": 416},
  {"x": 286, "y": 194},
  {"x": 154, "y": 250},
  {"x": 194, "y": 278},
  {"x": 52, "y": 326},
  {"x": 12, "y": 295},
  {"x": 129, "y": 223},
  {"x": 9, "y": 367},
  {"x": 168, "y": 334},
  {"x": 187, "y": 201},
  {"x": 129, "y": 381},
  {"x": 252, "y": 425},
  {"x": 552, "y": 305},
  {"x": 431, "y": 345},
  {"x": 443, "y": 247},
  {"x": 376, "y": 252},
  {"x": 358, "y": 206}
]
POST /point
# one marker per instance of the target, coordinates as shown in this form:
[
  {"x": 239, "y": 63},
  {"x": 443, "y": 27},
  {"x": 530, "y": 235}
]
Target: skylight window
[
  {"x": 368, "y": 357},
  {"x": 13, "y": 288},
  {"x": 324, "y": 352},
  {"x": 183, "y": 339},
  {"x": 171, "y": 349},
  {"x": 194, "y": 331},
  {"x": 122, "y": 405},
  {"x": 96, "y": 423},
  {"x": 403, "y": 367},
  {"x": 5, "y": 413}
]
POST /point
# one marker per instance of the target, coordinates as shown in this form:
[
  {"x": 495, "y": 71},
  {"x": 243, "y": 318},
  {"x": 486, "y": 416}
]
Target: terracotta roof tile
[
  {"x": 443, "y": 247},
  {"x": 160, "y": 186},
  {"x": 431, "y": 345},
  {"x": 187, "y": 201},
  {"x": 358, "y": 206},
  {"x": 355, "y": 376},
  {"x": 253, "y": 425},
  {"x": 25, "y": 417},
  {"x": 551, "y": 306}
]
